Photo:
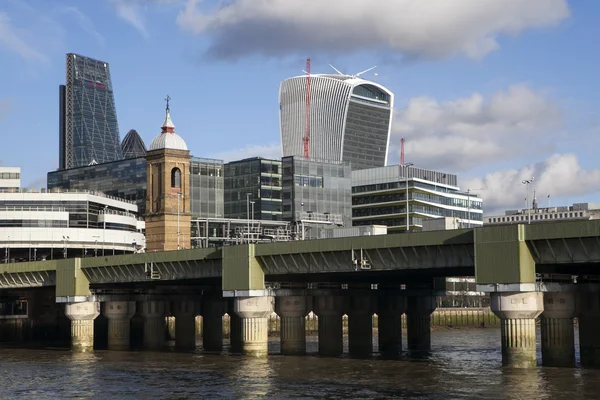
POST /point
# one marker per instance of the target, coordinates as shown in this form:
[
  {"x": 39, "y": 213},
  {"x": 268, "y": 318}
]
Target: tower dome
[{"x": 168, "y": 139}]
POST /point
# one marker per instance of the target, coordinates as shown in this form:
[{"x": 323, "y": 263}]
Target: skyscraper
[
  {"x": 350, "y": 119},
  {"x": 89, "y": 132}
]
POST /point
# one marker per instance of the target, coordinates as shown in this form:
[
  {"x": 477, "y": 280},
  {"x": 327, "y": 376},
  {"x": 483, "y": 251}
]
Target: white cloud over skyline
[{"x": 15, "y": 39}]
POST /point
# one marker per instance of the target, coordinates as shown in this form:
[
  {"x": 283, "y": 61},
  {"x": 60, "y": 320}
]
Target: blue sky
[{"x": 493, "y": 91}]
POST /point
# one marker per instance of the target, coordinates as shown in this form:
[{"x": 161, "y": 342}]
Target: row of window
[
  {"x": 537, "y": 217},
  {"x": 10, "y": 175}
]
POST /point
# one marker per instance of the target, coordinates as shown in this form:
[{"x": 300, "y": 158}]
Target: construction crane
[{"x": 306, "y": 138}]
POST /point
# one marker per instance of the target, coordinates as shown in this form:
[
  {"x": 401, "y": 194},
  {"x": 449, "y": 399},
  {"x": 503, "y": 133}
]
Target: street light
[
  {"x": 469, "y": 205},
  {"x": 178, "y": 200},
  {"x": 527, "y": 182},
  {"x": 407, "y": 166},
  {"x": 7, "y": 251},
  {"x": 248, "y": 213},
  {"x": 252, "y": 215},
  {"x": 65, "y": 240},
  {"x": 104, "y": 230},
  {"x": 96, "y": 245}
]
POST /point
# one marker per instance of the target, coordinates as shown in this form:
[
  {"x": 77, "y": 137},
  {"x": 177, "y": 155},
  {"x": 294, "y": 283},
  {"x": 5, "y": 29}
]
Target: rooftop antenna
[
  {"x": 306, "y": 138},
  {"x": 336, "y": 70},
  {"x": 365, "y": 71},
  {"x": 402, "y": 152}
]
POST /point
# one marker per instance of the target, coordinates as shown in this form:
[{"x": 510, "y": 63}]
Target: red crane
[{"x": 306, "y": 138}]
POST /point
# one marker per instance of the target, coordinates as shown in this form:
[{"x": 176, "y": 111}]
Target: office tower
[
  {"x": 133, "y": 146},
  {"x": 206, "y": 188},
  {"x": 89, "y": 132},
  {"x": 350, "y": 119}
]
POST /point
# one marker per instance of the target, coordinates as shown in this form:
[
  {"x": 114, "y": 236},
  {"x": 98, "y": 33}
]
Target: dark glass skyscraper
[{"x": 89, "y": 132}]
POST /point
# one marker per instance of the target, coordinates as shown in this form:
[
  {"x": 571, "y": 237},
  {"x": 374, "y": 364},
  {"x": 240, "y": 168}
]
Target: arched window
[{"x": 176, "y": 178}]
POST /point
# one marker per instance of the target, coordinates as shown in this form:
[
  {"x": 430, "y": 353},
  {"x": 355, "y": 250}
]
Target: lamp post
[
  {"x": 469, "y": 206},
  {"x": 96, "y": 245},
  {"x": 178, "y": 200},
  {"x": 527, "y": 182},
  {"x": 65, "y": 240},
  {"x": 6, "y": 251},
  {"x": 104, "y": 230},
  {"x": 406, "y": 167},
  {"x": 248, "y": 214},
  {"x": 252, "y": 215}
]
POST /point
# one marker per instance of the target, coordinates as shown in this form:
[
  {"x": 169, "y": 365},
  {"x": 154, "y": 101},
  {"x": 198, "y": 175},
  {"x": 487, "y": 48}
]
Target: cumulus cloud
[
  {"x": 272, "y": 151},
  {"x": 560, "y": 175},
  {"x": 14, "y": 39},
  {"x": 430, "y": 29},
  {"x": 460, "y": 134}
]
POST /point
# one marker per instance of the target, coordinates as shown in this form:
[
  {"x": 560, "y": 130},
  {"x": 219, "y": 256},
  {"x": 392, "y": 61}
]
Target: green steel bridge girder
[{"x": 494, "y": 254}]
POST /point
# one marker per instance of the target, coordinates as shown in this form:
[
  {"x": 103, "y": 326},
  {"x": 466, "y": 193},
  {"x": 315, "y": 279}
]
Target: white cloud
[
  {"x": 14, "y": 40},
  {"x": 430, "y": 29},
  {"x": 272, "y": 151},
  {"x": 560, "y": 175},
  {"x": 85, "y": 23},
  {"x": 132, "y": 12},
  {"x": 463, "y": 133}
]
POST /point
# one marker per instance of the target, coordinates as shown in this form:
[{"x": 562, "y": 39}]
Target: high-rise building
[
  {"x": 350, "y": 119},
  {"x": 10, "y": 179},
  {"x": 206, "y": 188},
  {"x": 89, "y": 132},
  {"x": 133, "y": 146}
]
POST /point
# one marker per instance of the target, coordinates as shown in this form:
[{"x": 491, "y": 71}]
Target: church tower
[{"x": 167, "y": 190}]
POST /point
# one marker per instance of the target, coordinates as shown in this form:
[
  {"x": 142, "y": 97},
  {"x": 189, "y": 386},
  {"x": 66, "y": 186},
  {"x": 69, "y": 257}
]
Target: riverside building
[
  {"x": 10, "y": 179},
  {"x": 350, "y": 119},
  {"x": 577, "y": 211},
  {"x": 402, "y": 197}
]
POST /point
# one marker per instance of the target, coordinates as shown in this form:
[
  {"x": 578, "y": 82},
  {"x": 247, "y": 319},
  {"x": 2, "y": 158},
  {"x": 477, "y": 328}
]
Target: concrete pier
[
  {"x": 235, "y": 329},
  {"x": 588, "y": 315},
  {"x": 213, "y": 310},
  {"x": 329, "y": 310},
  {"x": 360, "y": 324},
  {"x": 418, "y": 322},
  {"x": 254, "y": 313},
  {"x": 292, "y": 311},
  {"x": 119, "y": 315},
  {"x": 517, "y": 313},
  {"x": 389, "y": 313},
  {"x": 154, "y": 312},
  {"x": 185, "y": 323},
  {"x": 82, "y": 317},
  {"x": 557, "y": 330}
]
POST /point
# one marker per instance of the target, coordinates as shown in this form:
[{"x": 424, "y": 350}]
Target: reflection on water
[{"x": 464, "y": 364}]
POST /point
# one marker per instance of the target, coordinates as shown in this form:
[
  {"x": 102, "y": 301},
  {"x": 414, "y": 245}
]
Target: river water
[{"x": 464, "y": 364}]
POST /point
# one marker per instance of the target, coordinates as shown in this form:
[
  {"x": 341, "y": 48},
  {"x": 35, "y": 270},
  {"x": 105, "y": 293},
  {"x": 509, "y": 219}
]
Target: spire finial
[
  {"x": 168, "y": 126},
  {"x": 168, "y": 98}
]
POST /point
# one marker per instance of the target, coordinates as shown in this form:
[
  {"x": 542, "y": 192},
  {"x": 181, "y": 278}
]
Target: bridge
[{"x": 520, "y": 265}]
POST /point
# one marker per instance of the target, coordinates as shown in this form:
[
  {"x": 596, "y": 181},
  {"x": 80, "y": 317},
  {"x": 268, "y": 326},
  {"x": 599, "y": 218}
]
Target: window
[{"x": 175, "y": 178}]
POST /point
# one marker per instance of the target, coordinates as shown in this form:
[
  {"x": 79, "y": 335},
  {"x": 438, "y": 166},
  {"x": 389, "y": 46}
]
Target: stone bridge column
[
  {"x": 292, "y": 311},
  {"x": 82, "y": 317},
  {"x": 517, "y": 313},
  {"x": 389, "y": 315},
  {"x": 185, "y": 323},
  {"x": 360, "y": 324},
  {"x": 235, "y": 329},
  {"x": 329, "y": 310},
  {"x": 213, "y": 309},
  {"x": 558, "y": 338},
  {"x": 154, "y": 312},
  {"x": 418, "y": 322},
  {"x": 588, "y": 315},
  {"x": 254, "y": 312},
  {"x": 119, "y": 315}
]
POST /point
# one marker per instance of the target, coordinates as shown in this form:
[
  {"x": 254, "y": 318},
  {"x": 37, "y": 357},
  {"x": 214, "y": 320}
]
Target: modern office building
[
  {"x": 10, "y": 179},
  {"x": 577, "y": 211},
  {"x": 253, "y": 189},
  {"x": 350, "y": 119},
  {"x": 317, "y": 191},
  {"x": 39, "y": 226},
  {"x": 89, "y": 132},
  {"x": 206, "y": 187},
  {"x": 133, "y": 146},
  {"x": 402, "y": 197}
]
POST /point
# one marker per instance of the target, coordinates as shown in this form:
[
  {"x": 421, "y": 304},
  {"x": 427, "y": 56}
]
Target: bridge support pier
[
  {"x": 82, "y": 317},
  {"x": 558, "y": 337},
  {"x": 418, "y": 322},
  {"x": 119, "y": 315},
  {"x": 588, "y": 314},
  {"x": 389, "y": 317},
  {"x": 329, "y": 311},
  {"x": 212, "y": 323},
  {"x": 185, "y": 324},
  {"x": 154, "y": 312},
  {"x": 254, "y": 313},
  {"x": 292, "y": 311},
  {"x": 235, "y": 329},
  {"x": 360, "y": 325},
  {"x": 517, "y": 313}
]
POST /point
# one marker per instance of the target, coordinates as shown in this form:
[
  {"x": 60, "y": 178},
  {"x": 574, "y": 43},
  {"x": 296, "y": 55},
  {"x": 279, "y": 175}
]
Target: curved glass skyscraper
[
  {"x": 89, "y": 132},
  {"x": 350, "y": 119}
]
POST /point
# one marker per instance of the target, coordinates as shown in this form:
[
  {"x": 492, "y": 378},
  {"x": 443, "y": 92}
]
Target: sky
[{"x": 496, "y": 92}]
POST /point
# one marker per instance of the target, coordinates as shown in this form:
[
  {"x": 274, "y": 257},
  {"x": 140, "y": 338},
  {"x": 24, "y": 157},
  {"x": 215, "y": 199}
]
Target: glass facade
[
  {"x": 133, "y": 146},
  {"x": 89, "y": 132},
  {"x": 125, "y": 179},
  {"x": 206, "y": 188},
  {"x": 316, "y": 187},
  {"x": 259, "y": 177}
]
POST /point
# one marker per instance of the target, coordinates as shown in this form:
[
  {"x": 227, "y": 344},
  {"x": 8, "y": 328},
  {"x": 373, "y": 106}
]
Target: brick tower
[{"x": 167, "y": 190}]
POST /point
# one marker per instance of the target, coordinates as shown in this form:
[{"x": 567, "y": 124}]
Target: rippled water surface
[{"x": 464, "y": 364}]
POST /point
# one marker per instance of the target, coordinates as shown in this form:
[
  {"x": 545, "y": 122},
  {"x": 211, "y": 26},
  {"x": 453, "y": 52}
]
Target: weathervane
[{"x": 167, "y": 99}]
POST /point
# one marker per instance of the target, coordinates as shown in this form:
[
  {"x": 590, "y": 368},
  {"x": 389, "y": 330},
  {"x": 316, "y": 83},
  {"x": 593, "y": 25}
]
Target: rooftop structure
[
  {"x": 10, "y": 179},
  {"x": 350, "y": 119},
  {"x": 577, "y": 211}
]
